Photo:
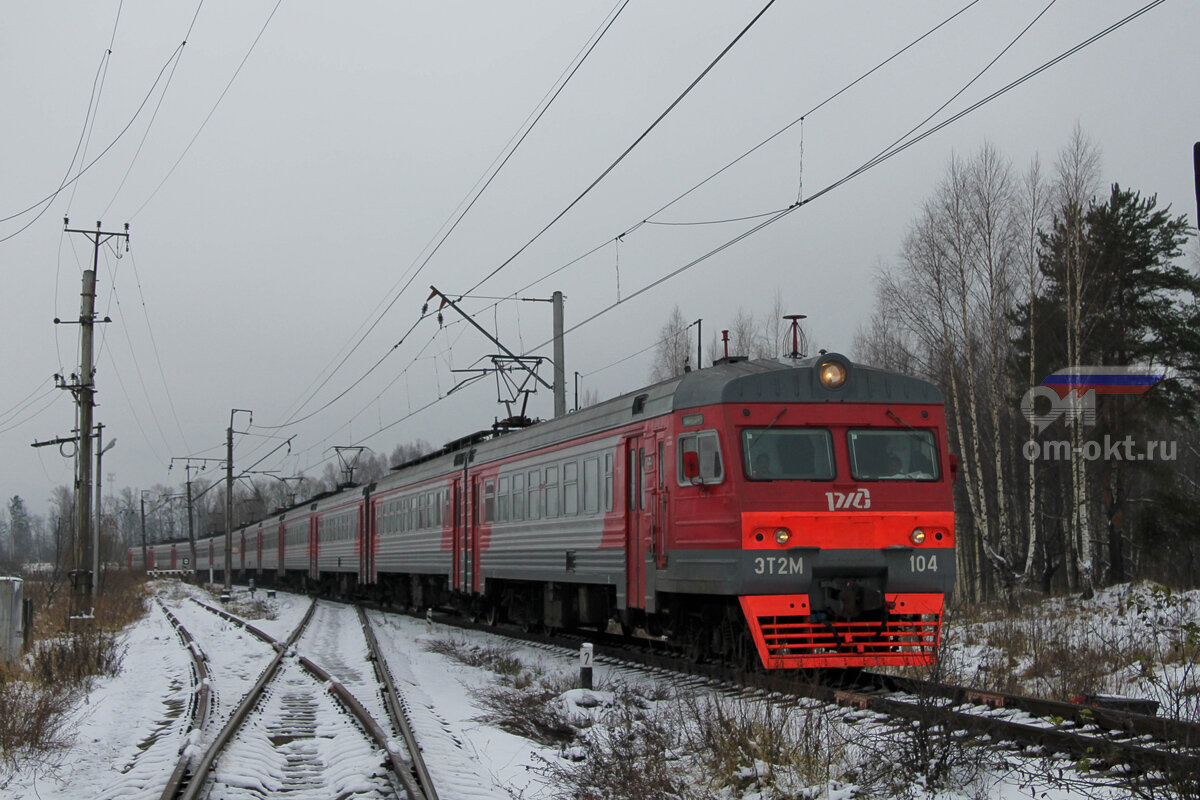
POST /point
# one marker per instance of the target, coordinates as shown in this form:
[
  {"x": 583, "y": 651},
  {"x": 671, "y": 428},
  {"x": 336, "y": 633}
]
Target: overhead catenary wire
[
  {"x": 899, "y": 147},
  {"x": 892, "y": 151},
  {"x": 631, "y": 147},
  {"x": 414, "y": 270},
  {"x": 800, "y": 119}
]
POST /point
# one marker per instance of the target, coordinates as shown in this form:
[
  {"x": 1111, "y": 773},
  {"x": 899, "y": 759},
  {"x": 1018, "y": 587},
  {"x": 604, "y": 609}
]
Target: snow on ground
[{"x": 130, "y": 727}]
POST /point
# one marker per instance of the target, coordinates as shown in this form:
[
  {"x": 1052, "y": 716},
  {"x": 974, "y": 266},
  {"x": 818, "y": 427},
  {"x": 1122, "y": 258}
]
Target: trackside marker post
[{"x": 585, "y": 665}]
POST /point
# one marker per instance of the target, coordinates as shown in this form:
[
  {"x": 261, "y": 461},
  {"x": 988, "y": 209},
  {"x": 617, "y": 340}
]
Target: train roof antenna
[{"x": 797, "y": 335}]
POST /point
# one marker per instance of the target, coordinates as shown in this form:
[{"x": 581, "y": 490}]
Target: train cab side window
[{"x": 707, "y": 448}]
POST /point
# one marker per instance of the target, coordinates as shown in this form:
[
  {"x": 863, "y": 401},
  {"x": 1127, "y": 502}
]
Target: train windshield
[
  {"x": 796, "y": 454},
  {"x": 893, "y": 455}
]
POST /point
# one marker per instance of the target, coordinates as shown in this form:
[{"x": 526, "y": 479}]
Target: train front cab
[{"x": 844, "y": 504}]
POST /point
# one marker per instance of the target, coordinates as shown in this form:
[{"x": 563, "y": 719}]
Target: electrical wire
[
  {"x": 800, "y": 119},
  {"x": 630, "y": 148},
  {"x": 29, "y": 400},
  {"x": 891, "y": 152},
  {"x": 212, "y": 111},
  {"x": 154, "y": 116},
  {"x": 154, "y": 345},
  {"x": 414, "y": 270},
  {"x": 69, "y": 182}
]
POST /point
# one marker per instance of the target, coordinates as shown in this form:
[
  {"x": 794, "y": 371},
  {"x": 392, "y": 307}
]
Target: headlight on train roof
[
  {"x": 918, "y": 536},
  {"x": 782, "y": 536},
  {"x": 833, "y": 374}
]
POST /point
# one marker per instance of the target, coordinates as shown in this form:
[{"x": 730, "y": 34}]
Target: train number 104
[{"x": 922, "y": 563}]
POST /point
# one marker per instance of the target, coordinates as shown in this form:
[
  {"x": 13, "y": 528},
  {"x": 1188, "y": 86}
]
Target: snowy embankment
[{"x": 131, "y": 727}]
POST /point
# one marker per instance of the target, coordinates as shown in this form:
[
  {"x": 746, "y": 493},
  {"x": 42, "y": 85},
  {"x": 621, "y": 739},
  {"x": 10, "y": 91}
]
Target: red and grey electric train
[{"x": 799, "y": 508}]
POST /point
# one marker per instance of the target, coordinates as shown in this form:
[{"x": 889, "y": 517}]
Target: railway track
[
  {"x": 307, "y": 729},
  {"x": 1103, "y": 738}
]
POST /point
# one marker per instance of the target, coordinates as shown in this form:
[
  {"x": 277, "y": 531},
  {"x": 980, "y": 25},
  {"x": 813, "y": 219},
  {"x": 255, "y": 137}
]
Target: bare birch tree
[
  {"x": 1034, "y": 212},
  {"x": 1077, "y": 173},
  {"x": 674, "y": 347}
]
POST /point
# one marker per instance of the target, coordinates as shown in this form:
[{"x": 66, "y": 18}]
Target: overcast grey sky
[{"x": 353, "y": 131}]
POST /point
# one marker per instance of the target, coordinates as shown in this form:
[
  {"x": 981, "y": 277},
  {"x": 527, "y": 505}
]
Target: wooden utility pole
[{"x": 82, "y": 577}]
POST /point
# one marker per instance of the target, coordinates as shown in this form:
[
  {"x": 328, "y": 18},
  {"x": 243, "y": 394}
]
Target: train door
[
  {"x": 258, "y": 562},
  {"x": 362, "y": 542},
  {"x": 657, "y": 488},
  {"x": 314, "y": 544},
  {"x": 460, "y": 521},
  {"x": 636, "y": 529},
  {"x": 281, "y": 549}
]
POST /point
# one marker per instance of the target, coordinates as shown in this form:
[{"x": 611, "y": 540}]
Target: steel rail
[
  {"x": 1166, "y": 729},
  {"x": 201, "y": 700},
  {"x": 199, "y": 775},
  {"x": 395, "y": 705},
  {"x": 401, "y": 770},
  {"x": 1172, "y": 733}
]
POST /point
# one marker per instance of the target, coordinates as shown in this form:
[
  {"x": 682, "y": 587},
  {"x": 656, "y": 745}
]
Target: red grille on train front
[{"x": 788, "y": 637}]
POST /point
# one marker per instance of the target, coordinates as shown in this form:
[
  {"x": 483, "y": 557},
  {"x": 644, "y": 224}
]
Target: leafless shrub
[
  {"x": 761, "y": 746},
  {"x": 635, "y": 755},
  {"x": 251, "y": 607},
  {"x": 532, "y": 713},
  {"x": 37, "y": 694},
  {"x": 32, "y": 721},
  {"x": 74, "y": 658},
  {"x": 498, "y": 658}
]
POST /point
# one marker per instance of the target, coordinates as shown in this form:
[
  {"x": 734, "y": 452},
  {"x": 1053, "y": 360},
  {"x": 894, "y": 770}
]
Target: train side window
[
  {"x": 518, "y": 497},
  {"x": 633, "y": 481},
  {"x": 503, "y": 501},
  {"x": 641, "y": 486},
  {"x": 661, "y": 449},
  {"x": 535, "y": 494},
  {"x": 608, "y": 481},
  {"x": 551, "y": 492},
  {"x": 570, "y": 504},
  {"x": 707, "y": 447},
  {"x": 591, "y": 485}
]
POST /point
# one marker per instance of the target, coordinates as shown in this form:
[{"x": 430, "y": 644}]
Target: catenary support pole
[{"x": 560, "y": 373}]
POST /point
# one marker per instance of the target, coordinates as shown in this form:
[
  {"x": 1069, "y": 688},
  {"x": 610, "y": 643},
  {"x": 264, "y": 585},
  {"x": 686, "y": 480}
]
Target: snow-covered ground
[{"x": 130, "y": 728}]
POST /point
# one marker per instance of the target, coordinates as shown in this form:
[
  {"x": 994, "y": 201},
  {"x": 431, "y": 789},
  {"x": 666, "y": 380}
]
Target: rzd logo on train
[{"x": 860, "y": 498}]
